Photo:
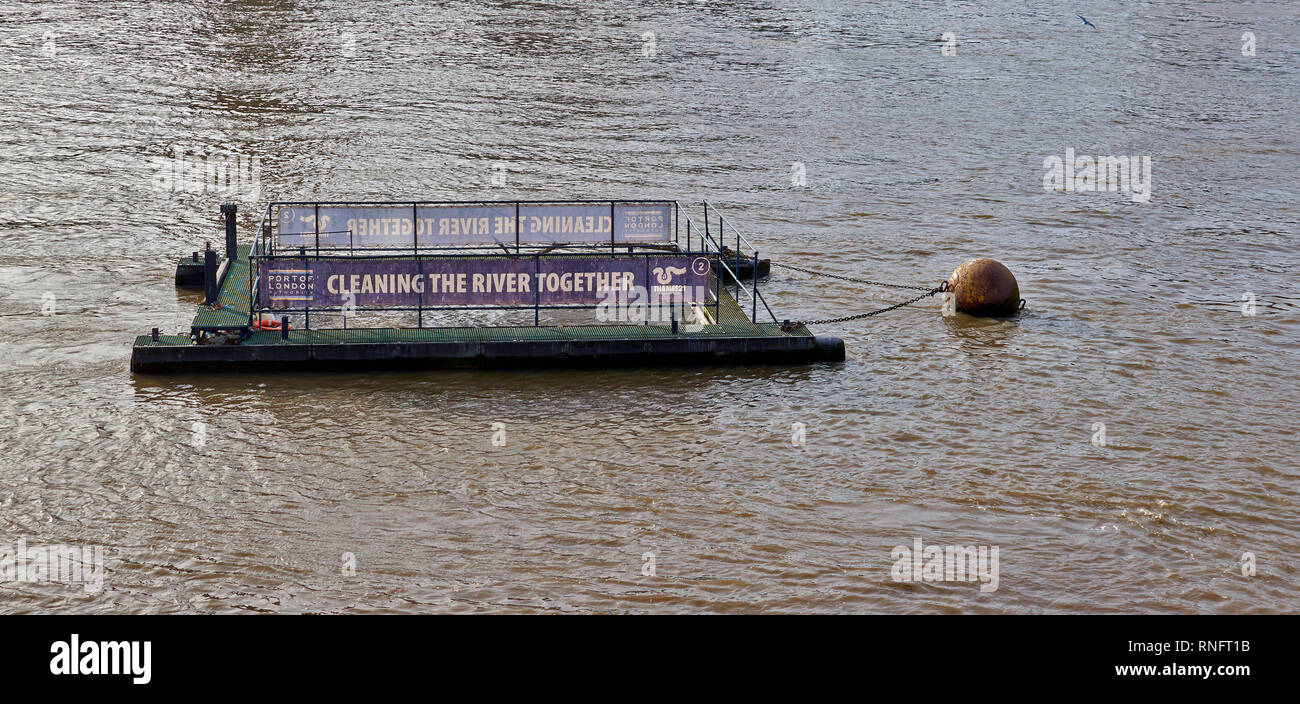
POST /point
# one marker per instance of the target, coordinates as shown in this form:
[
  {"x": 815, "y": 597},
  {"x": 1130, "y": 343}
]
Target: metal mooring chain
[
  {"x": 788, "y": 326},
  {"x": 850, "y": 278}
]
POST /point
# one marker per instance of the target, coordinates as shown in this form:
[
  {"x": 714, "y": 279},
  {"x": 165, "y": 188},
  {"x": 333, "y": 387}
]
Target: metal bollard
[
  {"x": 209, "y": 276},
  {"x": 228, "y": 211}
]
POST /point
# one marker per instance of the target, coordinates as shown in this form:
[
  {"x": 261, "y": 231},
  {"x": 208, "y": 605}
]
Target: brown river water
[{"x": 838, "y": 136}]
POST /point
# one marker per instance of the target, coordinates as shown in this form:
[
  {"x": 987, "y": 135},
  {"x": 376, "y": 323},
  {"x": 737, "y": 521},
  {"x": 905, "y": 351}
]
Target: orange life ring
[{"x": 264, "y": 324}]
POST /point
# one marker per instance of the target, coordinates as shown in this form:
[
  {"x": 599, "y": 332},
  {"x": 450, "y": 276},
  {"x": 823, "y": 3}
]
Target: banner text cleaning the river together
[
  {"x": 459, "y": 281},
  {"x": 434, "y": 226}
]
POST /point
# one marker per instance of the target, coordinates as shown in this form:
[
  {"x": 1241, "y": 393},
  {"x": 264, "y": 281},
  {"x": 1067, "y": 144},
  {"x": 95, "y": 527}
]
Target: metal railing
[
  {"x": 417, "y": 246},
  {"x": 259, "y": 244},
  {"x": 729, "y": 256},
  {"x": 697, "y": 241}
]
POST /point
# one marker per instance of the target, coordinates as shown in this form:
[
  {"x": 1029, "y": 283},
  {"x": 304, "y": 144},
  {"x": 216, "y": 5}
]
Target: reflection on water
[{"x": 776, "y": 488}]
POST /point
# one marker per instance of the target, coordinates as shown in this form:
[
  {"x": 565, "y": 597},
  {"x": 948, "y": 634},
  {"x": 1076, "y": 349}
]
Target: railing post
[
  {"x": 723, "y": 235},
  {"x": 228, "y": 212},
  {"x": 209, "y": 276},
  {"x": 735, "y": 274},
  {"x": 537, "y": 290},
  {"x": 306, "y": 316},
  {"x": 316, "y": 224},
  {"x": 647, "y": 292},
  {"x": 677, "y": 229},
  {"x": 717, "y": 291},
  {"x": 753, "y": 292},
  {"x": 706, "y": 226}
]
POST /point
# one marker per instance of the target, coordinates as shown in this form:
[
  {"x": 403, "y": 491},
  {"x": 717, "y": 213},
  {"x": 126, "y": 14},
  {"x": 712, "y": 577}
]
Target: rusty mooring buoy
[{"x": 986, "y": 288}]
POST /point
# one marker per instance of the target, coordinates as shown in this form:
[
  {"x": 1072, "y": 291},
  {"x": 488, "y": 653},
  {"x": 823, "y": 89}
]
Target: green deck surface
[
  {"x": 234, "y": 313},
  {"x": 233, "y": 298},
  {"x": 163, "y": 341}
]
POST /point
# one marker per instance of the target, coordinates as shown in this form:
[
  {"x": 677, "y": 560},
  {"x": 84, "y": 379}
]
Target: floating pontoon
[{"x": 365, "y": 285}]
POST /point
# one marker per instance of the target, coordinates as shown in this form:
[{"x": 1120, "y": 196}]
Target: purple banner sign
[
  {"x": 441, "y": 226},
  {"x": 472, "y": 281}
]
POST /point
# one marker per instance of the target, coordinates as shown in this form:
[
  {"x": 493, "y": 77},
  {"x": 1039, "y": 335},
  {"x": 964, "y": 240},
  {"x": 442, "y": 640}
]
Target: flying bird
[{"x": 1085, "y": 20}]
